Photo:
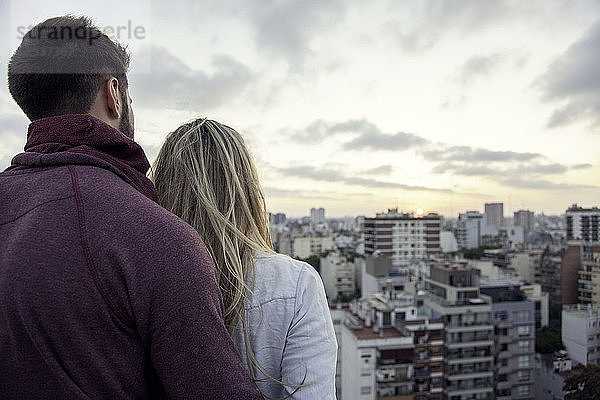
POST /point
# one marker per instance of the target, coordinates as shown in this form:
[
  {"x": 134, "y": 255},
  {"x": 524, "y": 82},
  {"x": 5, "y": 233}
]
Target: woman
[{"x": 275, "y": 306}]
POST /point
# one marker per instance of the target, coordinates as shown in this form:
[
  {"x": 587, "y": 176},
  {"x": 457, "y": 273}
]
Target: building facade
[
  {"x": 390, "y": 352},
  {"x": 469, "y": 230},
  {"x": 317, "y": 215},
  {"x": 514, "y": 336},
  {"x": 589, "y": 276},
  {"x": 581, "y": 333},
  {"x": 338, "y": 272},
  {"x": 524, "y": 218},
  {"x": 306, "y": 246},
  {"x": 547, "y": 274},
  {"x": 453, "y": 296},
  {"x": 402, "y": 237},
  {"x": 570, "y": 266},
  {"x": 494, "y": 214},
  {"x": 583, "y": 224}
]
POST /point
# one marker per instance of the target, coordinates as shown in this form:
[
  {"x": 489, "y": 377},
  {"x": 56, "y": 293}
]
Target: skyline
[{"x": 439, "y": 105}]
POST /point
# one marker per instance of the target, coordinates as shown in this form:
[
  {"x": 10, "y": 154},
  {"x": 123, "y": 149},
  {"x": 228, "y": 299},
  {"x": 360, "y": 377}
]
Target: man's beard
[{"x": 126, "y": 125}]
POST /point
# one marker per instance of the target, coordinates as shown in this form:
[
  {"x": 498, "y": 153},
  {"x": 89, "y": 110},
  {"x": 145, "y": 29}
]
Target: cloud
[
  {"x": 331, "y": 175},
  {"x": 430, "y": 20},
  {"x": 572, "y": 81},
  {"x": 381, "y": 170},
  {"x": 287, "y": 28},
  {"x": 502, "y": 168},
  {"x": 384, "y": 142},
  {"x": 581, "y": 166},
  {"x": 478, "y": 66},
  {"x": 366, "y": 135},
  {"x": 172, "y": 84},
  {"x": 464, "y": 170},
  {"x": 542, "y": 184},
  {"x": 474, "y": 154},
  {"x": 286, "y": 193}
]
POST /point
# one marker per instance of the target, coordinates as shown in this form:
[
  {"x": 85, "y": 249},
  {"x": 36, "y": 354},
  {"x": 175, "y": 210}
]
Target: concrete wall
[{"x": 570, "y": 264}]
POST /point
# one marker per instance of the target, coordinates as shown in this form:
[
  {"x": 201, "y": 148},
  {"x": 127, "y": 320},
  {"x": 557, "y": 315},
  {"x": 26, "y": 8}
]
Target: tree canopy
[{"x": 585, "y": 385}]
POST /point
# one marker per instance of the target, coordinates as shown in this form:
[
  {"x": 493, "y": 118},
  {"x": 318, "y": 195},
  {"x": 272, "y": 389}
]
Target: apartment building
[
  {"x": 306, "y": 246},
  {"x": 524, "y": 218},
  {"x": 525, "y": 262},
  {"x": 541, "y": 300},
  {"x": 589, "y": 276},
  {"x": 402, "y": 236},
  {"x": 494, "y": 214},
  {"x": 338, "y": 272},
  {"x": 581, "y": 333},
  {"x": 548, "y": 272},
  {"x": 317, "y": 215},
  {"x": 377, "y": 274},
  {"x": 390, "y": 352},
  {"x": 469, "y": 230},
  {"x": 583, "y": 224},
  {"x": 514, "y": 337},
  {"x": 453, "y": 296}
]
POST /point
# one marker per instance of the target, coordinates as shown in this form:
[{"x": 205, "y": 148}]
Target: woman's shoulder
[{"x": 280, "y": 277}]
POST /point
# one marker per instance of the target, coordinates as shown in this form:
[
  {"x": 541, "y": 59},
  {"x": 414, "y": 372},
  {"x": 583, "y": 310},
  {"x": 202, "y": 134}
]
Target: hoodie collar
[{"x": 65, "y": 136}]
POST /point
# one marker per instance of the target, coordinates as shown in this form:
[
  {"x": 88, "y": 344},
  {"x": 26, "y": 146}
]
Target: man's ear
[{"x": 113, "y": 98}]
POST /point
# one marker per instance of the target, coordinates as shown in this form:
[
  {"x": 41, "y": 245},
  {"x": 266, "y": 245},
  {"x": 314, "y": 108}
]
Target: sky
[{"x": 358, "y": 106}]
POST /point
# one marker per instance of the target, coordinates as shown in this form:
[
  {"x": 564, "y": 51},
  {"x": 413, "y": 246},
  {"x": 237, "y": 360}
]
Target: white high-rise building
[
  {"x": 402, "y": 236},
  {"x": 494, "y": 214},
  {"x": 317, "y": 215},
  {"x": 583, "y": 224},
  {"x": 448, "y": 242},
  {"x": 469, "y": 230},
  {"x": 581, "y": 333}
]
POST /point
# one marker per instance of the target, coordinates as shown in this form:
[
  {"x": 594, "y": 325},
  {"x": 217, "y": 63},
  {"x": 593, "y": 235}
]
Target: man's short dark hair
[{"x": 61, "y": 65}]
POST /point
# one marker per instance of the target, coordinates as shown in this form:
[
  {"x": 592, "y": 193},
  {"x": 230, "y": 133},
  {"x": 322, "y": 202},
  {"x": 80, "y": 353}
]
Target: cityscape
[
  {"x": 479, "y": 306},
  {"x": 436, "y": 162}
]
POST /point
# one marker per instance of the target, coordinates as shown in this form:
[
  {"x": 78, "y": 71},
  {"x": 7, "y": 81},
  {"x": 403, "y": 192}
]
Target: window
[
  {"x": 523, "y": 361},
  {"x": 523, "y": 390},
  {"x": 523, "y": 375},
  {"x": 365, "y": 390},
  {"x": 522, "y": 316},
  {"x": 523, "y": 331},
  {"x": 524, "y": 345}
]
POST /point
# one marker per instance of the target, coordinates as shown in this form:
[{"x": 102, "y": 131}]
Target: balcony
[
  {"x": 467, "y": 337},
  {"x": 473, "y": 358},
  {"x": 462, "y": 369},
  {"x": 468, "y": 388},
  {"x": 392, "y": 375},
  {"x": 480, "y": 343},
  {"x": 469, "y": 328},
  {"x": 473, "y": 375}
]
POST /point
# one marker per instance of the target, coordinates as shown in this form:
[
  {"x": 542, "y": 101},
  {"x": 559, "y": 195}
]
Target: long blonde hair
[{"x": 205, "y": 175}]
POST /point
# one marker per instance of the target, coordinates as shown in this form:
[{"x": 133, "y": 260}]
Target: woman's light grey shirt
[{"x": 290, "y": 329}]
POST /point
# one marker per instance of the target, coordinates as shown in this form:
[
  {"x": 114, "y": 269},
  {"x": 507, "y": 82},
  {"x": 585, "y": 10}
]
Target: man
[{"x": 103, "y": 294}]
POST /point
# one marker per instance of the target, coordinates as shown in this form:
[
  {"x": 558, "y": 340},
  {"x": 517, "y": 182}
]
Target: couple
[{"x": 106, "y": 294}]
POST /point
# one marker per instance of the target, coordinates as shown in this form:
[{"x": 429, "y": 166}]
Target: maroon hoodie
[{"x": 103, "y": 293}]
